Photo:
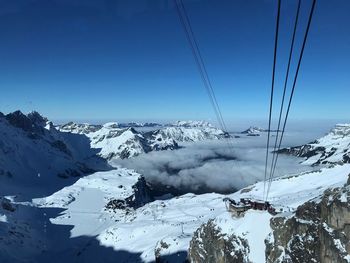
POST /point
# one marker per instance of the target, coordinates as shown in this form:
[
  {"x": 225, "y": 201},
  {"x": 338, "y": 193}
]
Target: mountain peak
[
  {"x": 32, "y": 122},
  {"x": 111, "y": 125},
  {"x": 342, "y": 129},
  {"x": 253, "y": 130},
  {"x": 192, "y": 124}
]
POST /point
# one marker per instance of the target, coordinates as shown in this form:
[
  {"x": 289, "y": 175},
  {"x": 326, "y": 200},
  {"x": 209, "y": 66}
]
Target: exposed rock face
[
  {"x": 140, "y": 196},
  {"x": 158, "y": 141},
  {"x": 33, "y": 122},
  {"x": 6, "y": 204},
  {"x": 209, "y": 245},
  {"x": 333, "y": 148},
  {"x": 309, "y": 150},
  {"x": 319, "y": 231},
  {"x": 60, "y": 145},
  {"x": 164, "y": 252}
]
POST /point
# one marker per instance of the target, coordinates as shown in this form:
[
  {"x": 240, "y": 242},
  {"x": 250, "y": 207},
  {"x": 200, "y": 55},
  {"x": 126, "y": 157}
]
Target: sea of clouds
[{"x": 213, "y": 166}]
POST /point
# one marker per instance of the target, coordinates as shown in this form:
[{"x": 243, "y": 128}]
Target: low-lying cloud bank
[{"x": 209, "y": 166}]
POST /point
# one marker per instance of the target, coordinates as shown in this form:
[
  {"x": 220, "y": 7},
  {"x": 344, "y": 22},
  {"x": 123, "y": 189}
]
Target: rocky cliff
[
  {"x": 209, "y": 245},
  {"x": 319, "y": 231}
]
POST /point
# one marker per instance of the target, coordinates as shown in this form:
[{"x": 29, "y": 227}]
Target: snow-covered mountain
[
  {"x": 333, "y": 148},
  {"x": 111, "y": 214},
  {"x": 86, "y": 128},
  {"x": 115, "y": 142},
  {"x": 118, "y": 142},
  {"x": 192, "y": 131},
  {"x": 253, "y": 131},
  {"x": 139, "y": 124},
  {"x": 182, "y": 134},
  {"x": 82, "y": 128},
  {"x": 33, "y": 154},
  {"x": 191, "y": 124}
]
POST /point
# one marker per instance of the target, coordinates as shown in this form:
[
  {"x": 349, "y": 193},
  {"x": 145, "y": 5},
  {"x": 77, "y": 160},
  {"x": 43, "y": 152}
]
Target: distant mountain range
[
  {"x": 116, "y": 142},
  {"x": 333, "y": 148},
  {"x": 33, "y": 151}
]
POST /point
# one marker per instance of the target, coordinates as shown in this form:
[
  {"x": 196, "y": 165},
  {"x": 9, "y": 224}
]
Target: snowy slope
[
  {"x": 333, "y": 148},
  {"x": 34, "y": 156},
  {"x": 141, "y": 231},
  {"x": 120, "y": 184}
]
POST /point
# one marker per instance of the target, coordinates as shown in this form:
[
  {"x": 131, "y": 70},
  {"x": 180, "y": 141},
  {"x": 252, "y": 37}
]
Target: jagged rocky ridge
[
  {"x": 319, "y": 231},
  {"x": 333, "y": 148}
]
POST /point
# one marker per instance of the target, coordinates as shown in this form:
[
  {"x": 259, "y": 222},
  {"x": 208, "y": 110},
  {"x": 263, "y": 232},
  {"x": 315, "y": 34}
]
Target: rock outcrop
[
  {"x": 210, "y": 245},
  {"x": 32, "y": 123},
  {"x": 140, "y": 196},
  {"x": 319, "y": 231}
]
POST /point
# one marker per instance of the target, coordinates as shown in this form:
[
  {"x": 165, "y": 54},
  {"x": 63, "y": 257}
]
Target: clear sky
[{"x": 71, "y": 59}]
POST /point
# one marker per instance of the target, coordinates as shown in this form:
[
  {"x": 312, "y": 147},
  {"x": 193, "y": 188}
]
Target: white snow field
[{"x": 140, "y": 230}]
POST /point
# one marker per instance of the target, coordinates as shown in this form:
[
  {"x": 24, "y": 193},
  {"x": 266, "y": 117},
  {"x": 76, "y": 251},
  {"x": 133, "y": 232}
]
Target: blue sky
[{"x": 91, "y": 60}]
